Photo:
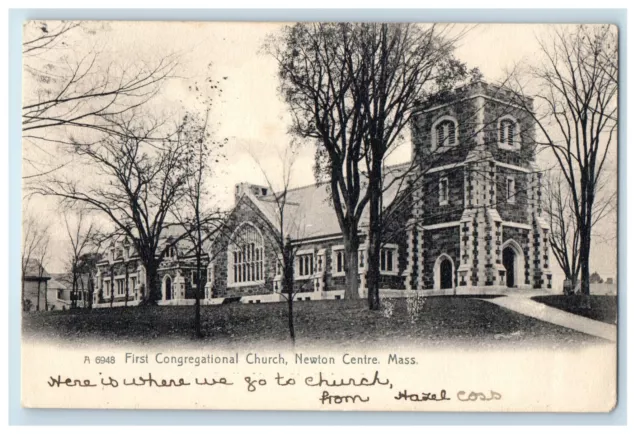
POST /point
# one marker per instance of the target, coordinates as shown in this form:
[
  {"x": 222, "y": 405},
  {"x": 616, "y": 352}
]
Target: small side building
[
  {"x": 121, "y": 274},
  {"x": 35, "y": 280}
]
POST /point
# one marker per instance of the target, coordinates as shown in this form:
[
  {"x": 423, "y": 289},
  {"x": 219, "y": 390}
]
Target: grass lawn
[
  {"x": 599, "y": 307},
  {"x": 441, "y": 321}
]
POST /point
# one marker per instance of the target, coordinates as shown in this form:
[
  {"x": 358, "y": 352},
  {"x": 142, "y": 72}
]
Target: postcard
[{"x": 319, "y": 216}]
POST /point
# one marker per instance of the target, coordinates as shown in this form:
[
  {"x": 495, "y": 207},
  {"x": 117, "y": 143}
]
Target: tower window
[
  {"x": 507, "y": 132},
  {"x": 445, "y": 133},
  {"x": 443, "y": 191}
]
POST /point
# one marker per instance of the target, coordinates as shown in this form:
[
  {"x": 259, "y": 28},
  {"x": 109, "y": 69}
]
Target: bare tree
[
  {"x": 34, "y": 247},
  {"x": 41, "y": 36},
  {"x": 42, "y": 256},
  {"x": 284, "y": 230},
  {"x": 578, "y": 115},
  {"x": 352, "y": 88},
  {"x": 74, "y": 89},
  {"x": 135, "y": 185},
  {"x": 80, "y": 234},
  {"x": 201, "y": 223},
  {"x": 313, "y": 59},
  {"x": 564, "y": 237}
]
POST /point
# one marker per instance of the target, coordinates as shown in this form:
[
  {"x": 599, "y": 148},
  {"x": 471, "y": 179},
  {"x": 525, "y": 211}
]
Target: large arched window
[
  {"x": 444, "y": 133},
  {"x": 246, "y": 256}
]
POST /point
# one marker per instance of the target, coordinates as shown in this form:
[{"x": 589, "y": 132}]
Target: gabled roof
[
  {"x": 65, "y": 280},
  {"x": 309, "y": 211},
  {"x": 32, "y": 270},
  {"x": 54, "y": 284},
  {"x": 167, "y": 237}
]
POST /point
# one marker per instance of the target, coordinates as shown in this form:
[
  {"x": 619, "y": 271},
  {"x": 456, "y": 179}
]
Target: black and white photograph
[{"x": 320, "y": 216}]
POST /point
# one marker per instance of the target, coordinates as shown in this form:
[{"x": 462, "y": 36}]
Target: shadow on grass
[{"x": 597, "y": 307}]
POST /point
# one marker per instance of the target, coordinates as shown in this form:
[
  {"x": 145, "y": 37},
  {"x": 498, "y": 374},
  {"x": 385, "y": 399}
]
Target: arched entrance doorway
[
  {"x": 509, "y": 262},
  {"x": 513, "y": 262},
  {"x": 446, "y": 274},
  {"x": 443, "y": 273},
  {"x": 167, "y": 288}
]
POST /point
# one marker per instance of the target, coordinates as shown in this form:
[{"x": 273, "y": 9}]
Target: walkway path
[{"x": 524, "y": 305}]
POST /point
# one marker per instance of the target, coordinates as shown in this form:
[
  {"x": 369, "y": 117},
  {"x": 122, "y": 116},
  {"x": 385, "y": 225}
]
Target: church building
[{"x": 474, "y": 224}]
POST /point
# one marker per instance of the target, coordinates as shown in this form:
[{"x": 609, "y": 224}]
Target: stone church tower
[{"x": 477, "y": 221}]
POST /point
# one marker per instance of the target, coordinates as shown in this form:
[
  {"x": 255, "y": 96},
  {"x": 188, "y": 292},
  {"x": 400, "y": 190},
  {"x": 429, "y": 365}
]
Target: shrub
[
  {"x": 27, "y": 305},
  {"x": 415, "y": 303},
  {"x": 387, "y": 307}
]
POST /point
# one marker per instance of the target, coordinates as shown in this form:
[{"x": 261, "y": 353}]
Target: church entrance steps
[{"x": 522, "y": 304}]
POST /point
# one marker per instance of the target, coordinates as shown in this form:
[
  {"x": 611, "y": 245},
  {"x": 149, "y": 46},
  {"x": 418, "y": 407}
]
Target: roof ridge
[
  {"x": 314, "y": 185},
  {"x": 318, "y": 184}
]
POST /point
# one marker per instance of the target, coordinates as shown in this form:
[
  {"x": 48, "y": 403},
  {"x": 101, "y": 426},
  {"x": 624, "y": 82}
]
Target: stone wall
[
  {"x": 433, "y": 212},
  {"x": 516, "y": 211}
]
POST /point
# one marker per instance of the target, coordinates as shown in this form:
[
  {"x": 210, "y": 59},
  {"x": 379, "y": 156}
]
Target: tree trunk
[
  {"x": 84, "y": 299},
  {"x": 101, "y": 291},
  {"x": 90, "y": 291},
  {"x": 153, "y": 291},
  {"x": 292, "y": 332},
  {"x": 585, "y": 247},
  {"x": 198, "y": 325},
  {"x": 287, "y": 287},
  {"x": 198, "y": 328},
  {"x": 38, "y": 298},
  {"x": 23, "y": 303},
  {"x": 73, "y": 287},
  {"x": 46, "y": 302},
  {"x": 351, "y": 244},
  {"x": 375, "y": 235},
  {"x": 373, "y": 276}
]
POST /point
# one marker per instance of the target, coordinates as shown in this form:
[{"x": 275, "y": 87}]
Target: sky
[{"x": 250, "y": 114}]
